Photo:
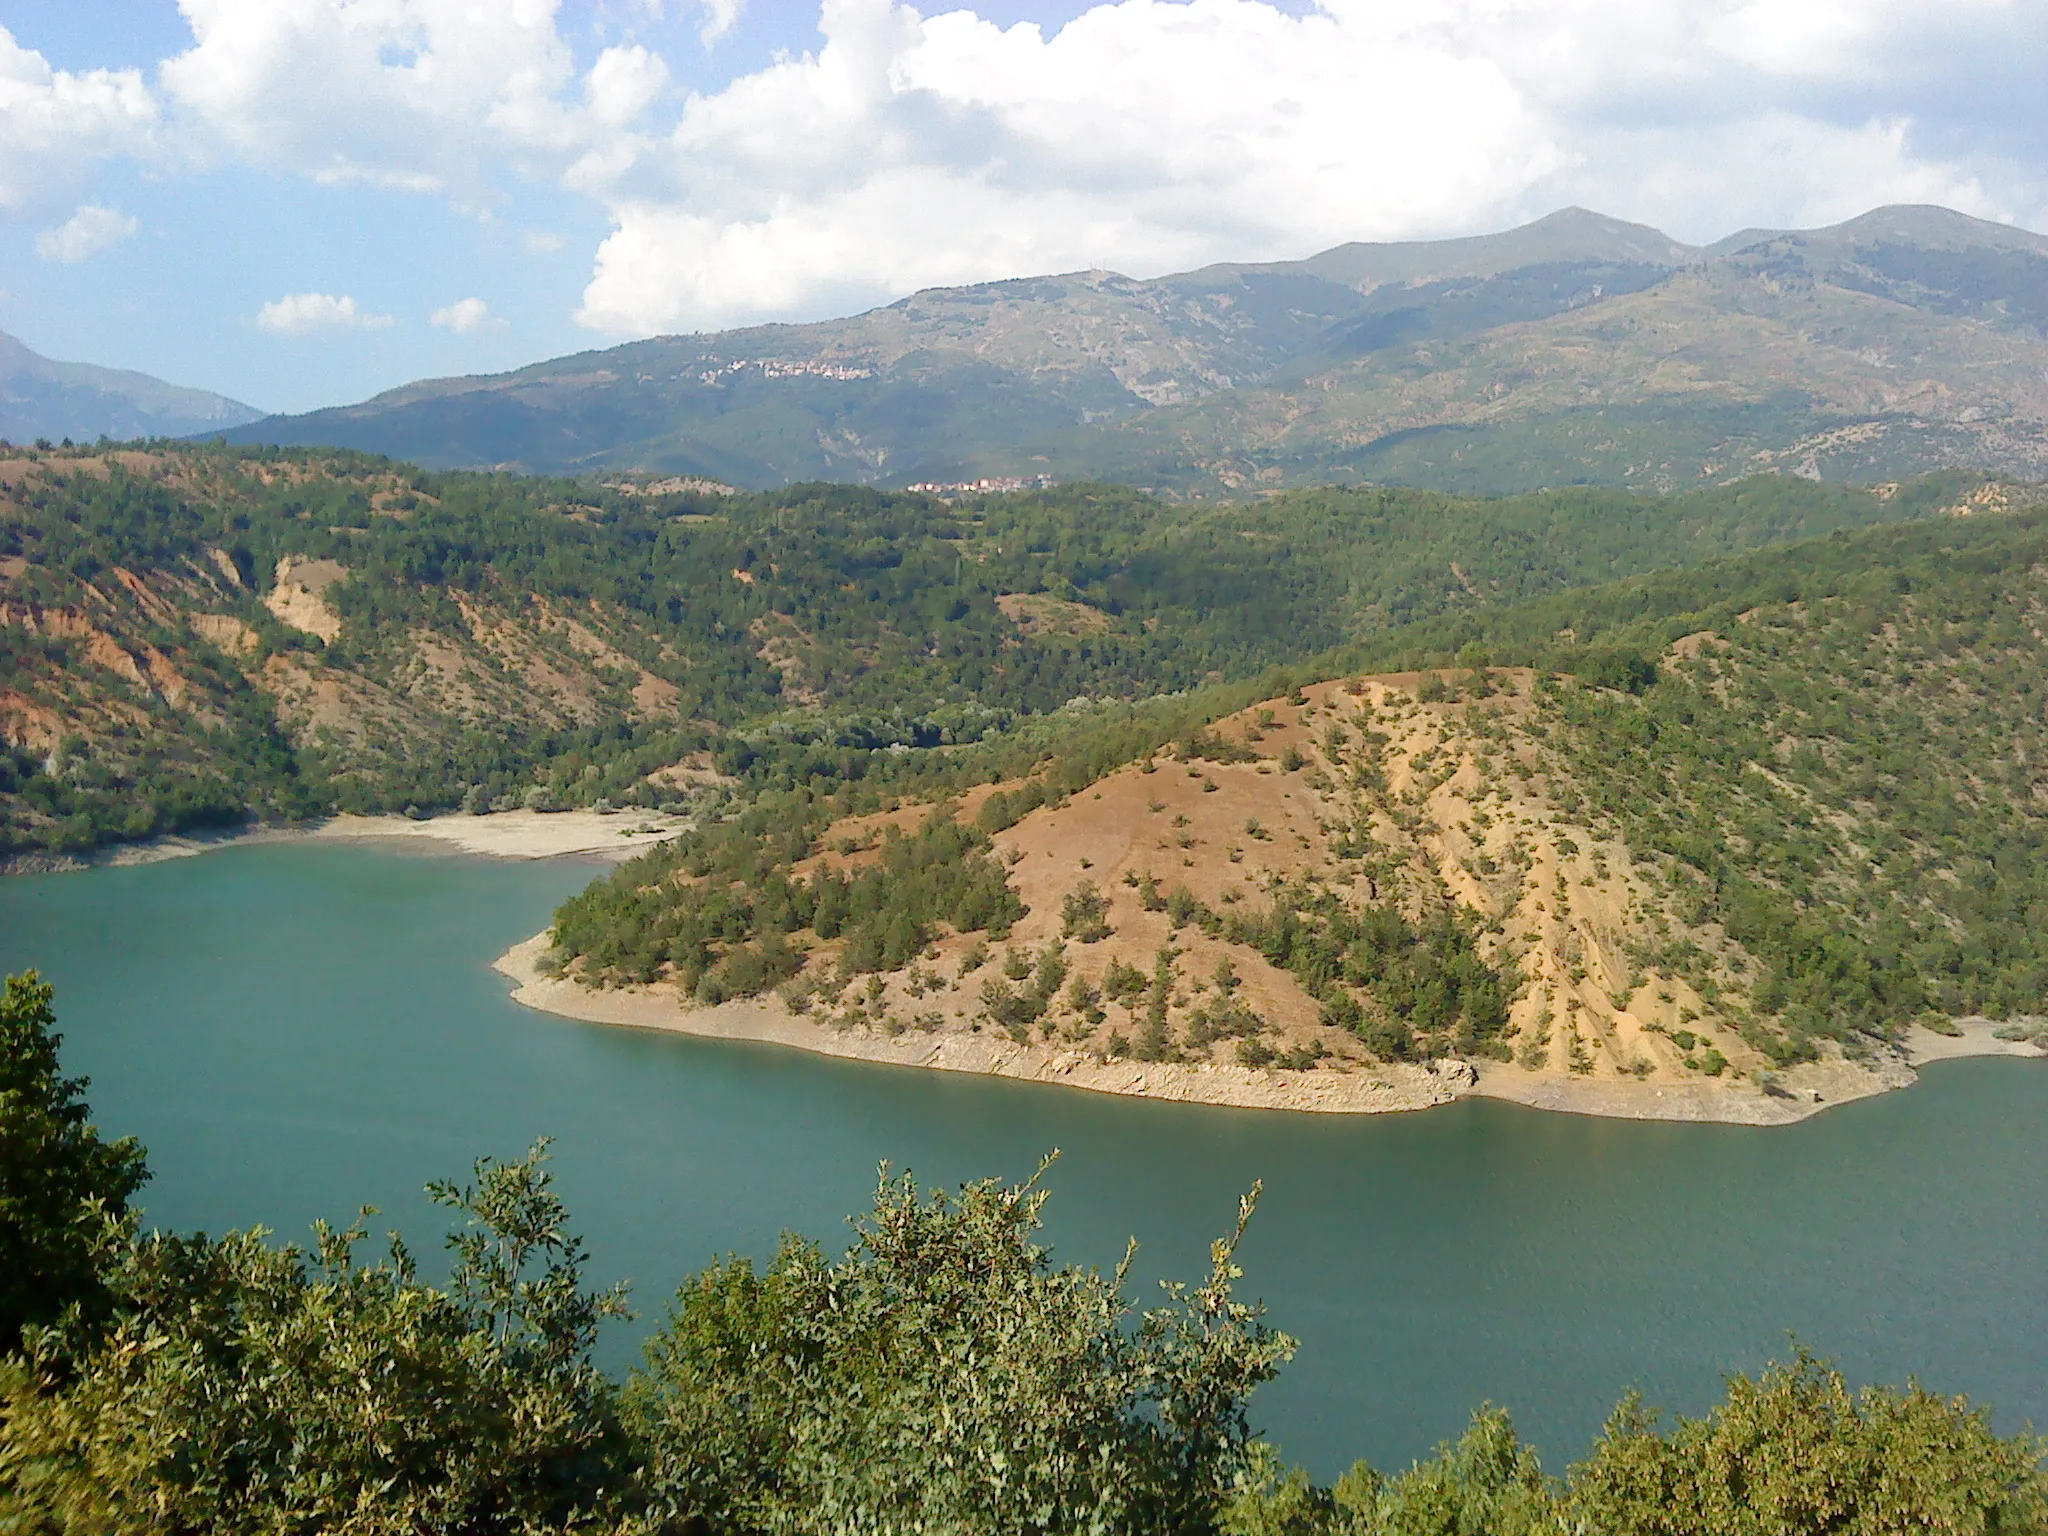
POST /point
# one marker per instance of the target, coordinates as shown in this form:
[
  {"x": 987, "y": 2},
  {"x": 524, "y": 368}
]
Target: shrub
[
  {"x": 1084, "y": 914},
  {"x": 1795, "y": 1450},
  {"x": 245, "y": 1387},
  {"x": 64, "y": 1191}
]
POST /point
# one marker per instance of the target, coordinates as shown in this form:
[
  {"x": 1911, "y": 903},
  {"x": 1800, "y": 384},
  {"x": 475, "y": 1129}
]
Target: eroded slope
[{"x": 1369, "y": 883}]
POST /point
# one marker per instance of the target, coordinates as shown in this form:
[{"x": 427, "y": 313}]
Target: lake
[{"x": 296, "y": 1030}]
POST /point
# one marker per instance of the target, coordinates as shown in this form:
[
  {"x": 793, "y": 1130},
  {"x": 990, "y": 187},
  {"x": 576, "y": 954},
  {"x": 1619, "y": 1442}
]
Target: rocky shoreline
[
  {"x": 766, "y": 1020},
  {"x": 1799, "y": 1093}
]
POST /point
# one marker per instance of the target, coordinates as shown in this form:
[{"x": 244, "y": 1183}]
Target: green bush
[
  {"x": 944, "y": 1375},
  {"x": 243, "y": 1387},
  {"x": 64, "y": 1190}
]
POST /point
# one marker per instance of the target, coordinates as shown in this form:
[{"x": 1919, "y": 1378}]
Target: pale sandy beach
[
  {"x": 1803, "y": 1091},
  {"x": 506, "y": 835},
  {"x": 514, "y": 834}
]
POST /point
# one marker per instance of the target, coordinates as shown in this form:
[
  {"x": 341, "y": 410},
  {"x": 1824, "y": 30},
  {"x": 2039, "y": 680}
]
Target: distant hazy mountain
[
  {"x": 42, "y": 398},
  {"x": 1577, "y": 348}
]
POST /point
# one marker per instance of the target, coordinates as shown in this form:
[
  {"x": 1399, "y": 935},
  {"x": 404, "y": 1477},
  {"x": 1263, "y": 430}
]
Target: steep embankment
[{"x": 155, "y": 680}]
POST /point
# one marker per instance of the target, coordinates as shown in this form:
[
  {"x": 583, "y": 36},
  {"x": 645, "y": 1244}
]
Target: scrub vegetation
[{"x": 1779, "y": 804}]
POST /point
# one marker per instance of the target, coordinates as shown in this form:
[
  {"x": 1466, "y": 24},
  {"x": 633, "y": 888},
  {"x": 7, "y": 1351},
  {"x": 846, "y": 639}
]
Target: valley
[
  {"x": 883, "y": 799},
  {"x": 197, "y": 636},
  {"x": 1341, "y": 799}
]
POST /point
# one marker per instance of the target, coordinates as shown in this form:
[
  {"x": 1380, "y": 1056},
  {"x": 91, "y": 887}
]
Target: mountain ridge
[
  {"x": 43, "y": 398},
  {"x": 1574, "y": 349},
  {"x": 1569, "y": 234}
]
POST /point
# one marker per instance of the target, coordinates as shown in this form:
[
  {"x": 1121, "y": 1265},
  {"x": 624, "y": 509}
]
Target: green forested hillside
[
  {"x": 492, "y": 639},
  {"x": 1824, "y": 770},
  {"x": 1840, "y": 751}
]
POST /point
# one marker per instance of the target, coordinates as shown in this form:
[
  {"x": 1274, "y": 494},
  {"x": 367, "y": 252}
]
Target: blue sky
[{"x": 300, "y": 202}]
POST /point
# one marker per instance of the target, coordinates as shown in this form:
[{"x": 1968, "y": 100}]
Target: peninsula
[{"x": 1367, "y": 895}]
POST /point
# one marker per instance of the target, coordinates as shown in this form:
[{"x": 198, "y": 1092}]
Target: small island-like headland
[{"x": 1367, "y": 895}]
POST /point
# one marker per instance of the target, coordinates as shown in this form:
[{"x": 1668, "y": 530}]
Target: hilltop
[
  {"x": 197, "y": 636},
  {"x": 1740, "y": 847},
  {"x": 1578, "y": 349}
]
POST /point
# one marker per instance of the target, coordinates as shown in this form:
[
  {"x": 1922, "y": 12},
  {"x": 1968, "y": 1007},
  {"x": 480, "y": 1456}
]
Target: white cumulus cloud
[
  {"x": 463, "y": 316},
  {"x": 87, "y": 232},
  {"x": 301, "y": 314},
  {"x": 55, "y": 123},
  {"x": 912, "y": 150},
  {"x": 908, "y": 149},
  {"x": 418, "y": 95},
  {"x": 720, "y": 17}
]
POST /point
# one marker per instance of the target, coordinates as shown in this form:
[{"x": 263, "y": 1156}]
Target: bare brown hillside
[{"x": 1377, "y": 790}]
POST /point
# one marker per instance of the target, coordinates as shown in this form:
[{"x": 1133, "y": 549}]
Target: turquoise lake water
[{"x": 297, "y": 1030}]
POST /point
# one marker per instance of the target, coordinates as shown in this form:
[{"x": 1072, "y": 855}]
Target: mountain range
[
  {"x": 42, "y": 398},
  {"x": 1577, "y": 349}
]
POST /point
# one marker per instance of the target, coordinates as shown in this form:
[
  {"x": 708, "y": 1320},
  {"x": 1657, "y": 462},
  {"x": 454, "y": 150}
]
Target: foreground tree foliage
[
  {"x": 63, "y": 1189},
  {"x": 245, "y": 1387},
  {"x": 1792, "y": 1451},
  {"x": 944, "y": 1375},
  {"x": 1795, "y": 1450}
]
